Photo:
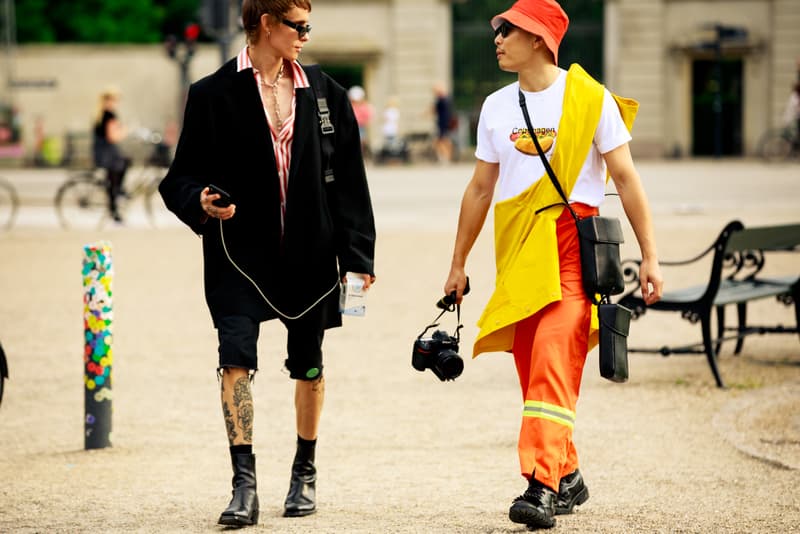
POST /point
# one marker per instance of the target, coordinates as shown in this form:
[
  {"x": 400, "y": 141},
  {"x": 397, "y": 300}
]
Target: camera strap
[{"x": 435, "y": 323}]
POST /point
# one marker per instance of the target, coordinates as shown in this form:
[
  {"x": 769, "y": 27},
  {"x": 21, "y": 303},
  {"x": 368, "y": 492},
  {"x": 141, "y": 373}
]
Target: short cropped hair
[{"x": 253, "y": 9}]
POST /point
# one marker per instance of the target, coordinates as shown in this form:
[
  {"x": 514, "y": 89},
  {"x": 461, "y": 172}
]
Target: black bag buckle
[{"x": 325, "y": 117}]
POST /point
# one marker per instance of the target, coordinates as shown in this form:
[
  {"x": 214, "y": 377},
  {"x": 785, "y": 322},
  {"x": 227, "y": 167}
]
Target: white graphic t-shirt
[{"x": 503, "y": 138}]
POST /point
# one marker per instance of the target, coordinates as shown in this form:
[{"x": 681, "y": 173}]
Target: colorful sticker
[{"x": 98, "y": 356}]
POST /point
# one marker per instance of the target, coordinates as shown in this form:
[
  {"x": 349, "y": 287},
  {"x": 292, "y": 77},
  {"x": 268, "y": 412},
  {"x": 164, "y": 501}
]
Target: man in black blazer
[{"x": 290, "y": 233}]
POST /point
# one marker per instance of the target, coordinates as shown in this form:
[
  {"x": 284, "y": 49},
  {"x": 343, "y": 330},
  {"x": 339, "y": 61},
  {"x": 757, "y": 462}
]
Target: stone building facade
[
  {"x": 662, "y": 52},
  {"x": 391, "y": 47}
]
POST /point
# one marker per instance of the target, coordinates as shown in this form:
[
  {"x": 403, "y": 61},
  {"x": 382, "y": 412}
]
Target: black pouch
[
  {"x": 615, "y": 320},
  {"x": 601, "y": 268}
]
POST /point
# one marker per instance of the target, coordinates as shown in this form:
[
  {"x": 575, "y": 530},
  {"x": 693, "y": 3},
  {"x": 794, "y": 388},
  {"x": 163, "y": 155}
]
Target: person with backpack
[{"x": 281, "y": 142}]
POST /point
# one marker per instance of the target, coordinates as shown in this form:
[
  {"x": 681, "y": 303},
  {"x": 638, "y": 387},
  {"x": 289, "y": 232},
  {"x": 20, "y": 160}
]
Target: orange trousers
[{"x": 549, "y": 352}]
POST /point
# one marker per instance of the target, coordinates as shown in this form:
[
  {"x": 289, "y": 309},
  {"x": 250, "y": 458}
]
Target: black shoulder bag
[{"x": 601, "y": 272}]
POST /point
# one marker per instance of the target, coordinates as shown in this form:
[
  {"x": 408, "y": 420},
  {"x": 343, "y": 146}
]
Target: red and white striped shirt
[{"x": 281, "y": 140}]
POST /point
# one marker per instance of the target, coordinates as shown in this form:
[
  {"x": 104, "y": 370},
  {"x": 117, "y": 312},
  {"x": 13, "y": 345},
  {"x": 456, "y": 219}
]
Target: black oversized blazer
[{"x": 329, "y": 227}]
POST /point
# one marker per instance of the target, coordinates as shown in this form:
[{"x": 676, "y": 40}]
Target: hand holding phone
[{"x": 224, "y": 199}]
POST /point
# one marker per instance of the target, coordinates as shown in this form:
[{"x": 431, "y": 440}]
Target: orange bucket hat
[{"x": 539, "y": 17}]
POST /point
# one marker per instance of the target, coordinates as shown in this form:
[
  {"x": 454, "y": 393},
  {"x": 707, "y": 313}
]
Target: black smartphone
[{"x": 224, "y": 199}]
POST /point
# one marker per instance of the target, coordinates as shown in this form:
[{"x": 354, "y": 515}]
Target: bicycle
[
  {"x": 779, "y": 144},
  {"x": 9, "y": 205},
  {"x": 82, "y": 200}
]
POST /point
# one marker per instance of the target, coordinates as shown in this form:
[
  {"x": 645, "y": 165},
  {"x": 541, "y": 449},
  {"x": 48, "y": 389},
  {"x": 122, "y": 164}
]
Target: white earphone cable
[{"x": 291, "y": 318}]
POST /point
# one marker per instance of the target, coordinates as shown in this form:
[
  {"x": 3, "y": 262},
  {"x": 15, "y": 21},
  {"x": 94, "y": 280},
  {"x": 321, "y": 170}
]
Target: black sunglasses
[
  {"x": 302, "y": 31},
  {"x": 504, "y": 29}
]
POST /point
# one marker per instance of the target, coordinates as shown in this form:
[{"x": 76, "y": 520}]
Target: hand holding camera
[
  {"x": 447, "y": 302},
  {"x": 439, "y": 353}
]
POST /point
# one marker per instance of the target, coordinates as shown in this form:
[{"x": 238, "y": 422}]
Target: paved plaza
[{"x": 398, "y": 451}]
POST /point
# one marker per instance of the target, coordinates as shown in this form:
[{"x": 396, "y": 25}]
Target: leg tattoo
[
  {"x": 243, "y": 401},
  {"x": 230, "y": 426}
]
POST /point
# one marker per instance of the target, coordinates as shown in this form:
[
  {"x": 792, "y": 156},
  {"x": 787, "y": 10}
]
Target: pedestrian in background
[
  {"x": 539, "y": 311},
  {"x": 391, "y": 122},
  {"x": 363, "y": 112},
  {"x": 791, "y": 114},
  {"x": 291, "y": 232},
  {"x": 443, "y": 110},
  {"x": 109, "y": 132}
]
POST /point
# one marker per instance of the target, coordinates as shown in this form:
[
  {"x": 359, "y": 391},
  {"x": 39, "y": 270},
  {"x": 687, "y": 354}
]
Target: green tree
[{"x": 101, "y": 21}]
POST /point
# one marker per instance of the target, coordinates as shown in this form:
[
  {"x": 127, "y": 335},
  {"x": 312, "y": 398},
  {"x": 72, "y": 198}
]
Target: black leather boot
[
  {"x": 536, "y": 507},
  {"x": 572, "y": 491},
  {"x": 302, "y": 497},
  {"x": 243, "y": 509}
]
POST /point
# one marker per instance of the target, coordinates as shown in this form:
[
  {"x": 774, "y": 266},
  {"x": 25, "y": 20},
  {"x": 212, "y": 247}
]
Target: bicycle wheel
[
  {"x": 82, "y": 202},
  {"x": 9, "y": 204},
  {"x": 776, "y": 145}
]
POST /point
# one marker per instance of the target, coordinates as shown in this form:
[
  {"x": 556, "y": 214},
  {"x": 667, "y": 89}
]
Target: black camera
[{"x": 439, "y": 353}]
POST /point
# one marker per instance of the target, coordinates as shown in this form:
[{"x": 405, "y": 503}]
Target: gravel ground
[{"x": 398, "y": 451}]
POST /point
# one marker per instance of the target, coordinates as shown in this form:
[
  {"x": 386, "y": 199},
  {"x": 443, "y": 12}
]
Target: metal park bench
[{"x": 738, "y": 259}]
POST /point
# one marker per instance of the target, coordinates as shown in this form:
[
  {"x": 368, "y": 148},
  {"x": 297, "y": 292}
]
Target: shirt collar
[{"x": 298, "y": 74}]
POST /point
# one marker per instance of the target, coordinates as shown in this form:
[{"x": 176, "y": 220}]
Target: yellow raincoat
[{"x": 526, "y": 245}]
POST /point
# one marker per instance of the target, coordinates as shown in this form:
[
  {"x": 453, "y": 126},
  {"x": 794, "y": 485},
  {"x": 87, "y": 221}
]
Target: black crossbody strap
[
  {"x": 545, "y": 162},
  {"x": 314, "y": 73}
]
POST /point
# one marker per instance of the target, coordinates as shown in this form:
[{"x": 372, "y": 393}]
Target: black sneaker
[
  {"x": 536, "y": 507},
  {"x": 572, "y": 492}
]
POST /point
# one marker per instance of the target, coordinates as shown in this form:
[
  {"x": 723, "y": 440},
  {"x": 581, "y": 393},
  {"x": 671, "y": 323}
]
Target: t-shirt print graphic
[{"x": 524, "y": 142}]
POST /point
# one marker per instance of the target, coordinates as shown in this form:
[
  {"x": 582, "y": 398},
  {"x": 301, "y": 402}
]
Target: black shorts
[{"x": 238, "y": 336}]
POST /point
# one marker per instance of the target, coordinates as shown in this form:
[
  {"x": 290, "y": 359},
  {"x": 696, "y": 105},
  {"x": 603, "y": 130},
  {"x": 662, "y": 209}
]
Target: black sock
[
  {"x": 241, "y": 449},
  {"x": 305, "y": 449}
]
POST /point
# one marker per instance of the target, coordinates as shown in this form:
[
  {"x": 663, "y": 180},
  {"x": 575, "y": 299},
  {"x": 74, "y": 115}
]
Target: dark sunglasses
[
  {"x": 504, "y": 29},
  {"x": 302, "y": 31}
]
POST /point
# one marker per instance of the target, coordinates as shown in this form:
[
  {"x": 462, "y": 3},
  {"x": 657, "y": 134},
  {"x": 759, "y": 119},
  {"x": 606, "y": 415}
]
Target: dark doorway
[
  {"x": 347, "y": 75},
  {"x": 717, "y": 107}
]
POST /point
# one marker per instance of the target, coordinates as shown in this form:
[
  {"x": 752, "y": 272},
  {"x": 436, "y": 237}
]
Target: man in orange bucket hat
[
  {"x": 544, "y": 18},
  {"x": 539, "y": 310}
]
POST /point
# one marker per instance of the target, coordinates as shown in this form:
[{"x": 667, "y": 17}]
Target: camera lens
[{"x": 448, "y": 365}]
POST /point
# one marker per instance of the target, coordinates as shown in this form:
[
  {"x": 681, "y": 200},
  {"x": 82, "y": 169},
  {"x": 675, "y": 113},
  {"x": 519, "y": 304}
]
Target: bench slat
[
  {"x": 742, "y": 291},
  {"x": 784, "y": 237},
  {"x": 733, "y": 291}
]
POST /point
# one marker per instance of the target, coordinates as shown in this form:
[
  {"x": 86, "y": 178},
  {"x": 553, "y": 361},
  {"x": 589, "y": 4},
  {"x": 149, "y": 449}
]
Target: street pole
[
  {"x": 10, "y": 38},
  {"x": 222, "y": 24}
]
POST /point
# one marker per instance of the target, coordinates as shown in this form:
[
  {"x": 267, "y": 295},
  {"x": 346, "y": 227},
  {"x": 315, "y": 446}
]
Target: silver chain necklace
[{"x": 274, "y": 87}]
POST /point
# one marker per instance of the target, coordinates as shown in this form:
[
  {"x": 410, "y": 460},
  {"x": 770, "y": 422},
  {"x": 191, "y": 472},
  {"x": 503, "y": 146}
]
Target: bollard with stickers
[{"x": 98, "y": 274}]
